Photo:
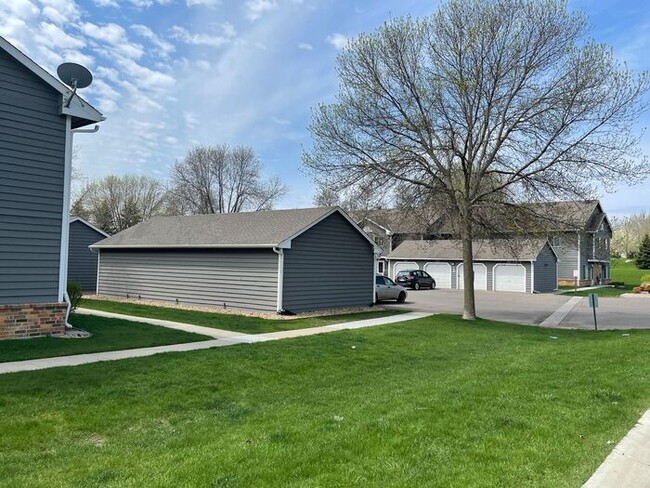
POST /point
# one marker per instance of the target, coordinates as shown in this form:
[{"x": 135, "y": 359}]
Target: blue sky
[{"x": 173, "y": 73}]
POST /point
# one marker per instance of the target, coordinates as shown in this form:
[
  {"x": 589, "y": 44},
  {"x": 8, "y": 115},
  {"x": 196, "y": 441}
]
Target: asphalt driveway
[{"x": 533, "y": 309}]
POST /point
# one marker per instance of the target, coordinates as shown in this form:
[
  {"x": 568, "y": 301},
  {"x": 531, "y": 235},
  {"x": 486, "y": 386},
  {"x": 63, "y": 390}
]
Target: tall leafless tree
[
  {"x": 220, "y": 179},
  {"x": 487, "y": 103}
]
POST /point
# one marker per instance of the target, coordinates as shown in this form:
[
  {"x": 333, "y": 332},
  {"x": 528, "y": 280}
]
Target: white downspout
[
  {"x": 65, "y": 218},
  {"x": 532, "y": 276},
  {"x": 280, "y": 252}
]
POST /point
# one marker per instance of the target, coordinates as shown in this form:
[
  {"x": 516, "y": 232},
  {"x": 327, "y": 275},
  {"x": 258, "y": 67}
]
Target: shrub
[{"x": 74, "y": 294}]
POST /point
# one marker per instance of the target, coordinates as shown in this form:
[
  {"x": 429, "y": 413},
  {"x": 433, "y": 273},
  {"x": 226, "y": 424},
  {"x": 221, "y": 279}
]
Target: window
[
  {"x": 380, "y": 267},
  {"x": 389, "y": 282},
  {"x": 556, "y": 241},
  {"x": 380, "y": 280}
]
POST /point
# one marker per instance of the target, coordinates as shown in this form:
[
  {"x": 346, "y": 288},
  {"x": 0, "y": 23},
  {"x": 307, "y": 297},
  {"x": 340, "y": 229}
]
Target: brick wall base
[{"x": 32, "y": 320}]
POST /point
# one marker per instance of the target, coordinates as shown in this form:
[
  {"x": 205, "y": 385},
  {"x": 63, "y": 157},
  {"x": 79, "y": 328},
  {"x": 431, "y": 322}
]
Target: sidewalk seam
[{"x": 561, "y": 313}]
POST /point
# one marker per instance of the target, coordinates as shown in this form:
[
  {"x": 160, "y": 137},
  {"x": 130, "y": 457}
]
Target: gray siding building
[
  {"x": 82, "y": 262},
  {"x": 268, "y": 261},
  {"x": 528, "y": 266},
  {"x": 35, "y": 166},
  {"x": 582, "y": 242}
]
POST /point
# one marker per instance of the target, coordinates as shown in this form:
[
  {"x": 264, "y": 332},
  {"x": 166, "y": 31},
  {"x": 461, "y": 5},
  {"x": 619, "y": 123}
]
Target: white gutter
[
  {"x": 65, "y": 218},
  {"x": 280, "y": 252}
]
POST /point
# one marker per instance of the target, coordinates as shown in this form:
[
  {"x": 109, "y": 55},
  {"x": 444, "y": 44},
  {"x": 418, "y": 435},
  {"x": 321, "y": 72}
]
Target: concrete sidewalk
[
  {"x": 195, "y": 329},
  {"x": 222, "y": 338},
  {"x": 628, "y": 465}
]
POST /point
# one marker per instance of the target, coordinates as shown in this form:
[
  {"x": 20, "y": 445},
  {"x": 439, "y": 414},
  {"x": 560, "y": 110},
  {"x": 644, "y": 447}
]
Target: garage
[
  {"x": 525, "y": 266},
  {"x": 403, "y": 267},
  {"x": 271, "y": 261},
  {"x": 480, "y": 276},
  {"x": 509, "y": 277},
  {"x": 441, "y": 272}
]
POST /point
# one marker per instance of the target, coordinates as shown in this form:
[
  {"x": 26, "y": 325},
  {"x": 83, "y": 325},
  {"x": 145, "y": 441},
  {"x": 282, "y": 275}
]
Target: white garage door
[
  {"x": 403, "y": 267},
  {"x": 441, "y": 272},
  {"x": 480, "y": 277},
  {"x": 510, "y": 277}
]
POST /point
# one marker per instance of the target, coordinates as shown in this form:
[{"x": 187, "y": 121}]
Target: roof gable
[
  {"x": 88, "y": 224},
  {"x": 81, "y": 111}
]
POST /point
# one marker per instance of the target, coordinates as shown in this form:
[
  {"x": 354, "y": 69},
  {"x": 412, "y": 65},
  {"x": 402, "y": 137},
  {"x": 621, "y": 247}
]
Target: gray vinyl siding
[
  {"x": 568, "y": 255},
  {"x": 245, "y": 279},
  {"x": 330, "y": 265},
  {"x": 546, "y": 271},
  {"x": 82, "y": 262},
  {"x": 32, "y": 153},
  {"x": 585, "y": 254}
]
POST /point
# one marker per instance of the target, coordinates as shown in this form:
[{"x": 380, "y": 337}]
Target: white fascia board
[
  {"x": 85, "y": 222},
  {"x": 78, "y": 107}
]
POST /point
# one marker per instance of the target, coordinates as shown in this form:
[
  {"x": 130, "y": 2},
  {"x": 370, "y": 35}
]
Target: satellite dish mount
[{"x": 75, "y": 76}]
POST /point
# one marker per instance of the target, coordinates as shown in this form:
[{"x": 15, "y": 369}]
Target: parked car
[
  {"x": 415, "y": 279},
  {"x": 387, "y": 289}
]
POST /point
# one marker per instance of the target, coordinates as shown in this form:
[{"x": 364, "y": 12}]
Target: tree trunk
[{"x": 469, "y": 304}]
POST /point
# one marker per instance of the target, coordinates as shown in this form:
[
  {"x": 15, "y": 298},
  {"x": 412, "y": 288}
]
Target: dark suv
[{"x": 415, "y": 278}]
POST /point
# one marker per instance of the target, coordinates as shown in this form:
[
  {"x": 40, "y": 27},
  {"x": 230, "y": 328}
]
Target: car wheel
[
  {"x": 416, "y": 286},
  {"x": 433, "y": 284},
  {"x": 401, "y": 298}
]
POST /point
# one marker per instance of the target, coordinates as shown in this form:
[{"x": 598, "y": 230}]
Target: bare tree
[
  {"x": 485, "y": 104},
  {"x": 629, "y": 232},
  {"x": 220, "y": 179},
  {"x": 115, "y": 203}
]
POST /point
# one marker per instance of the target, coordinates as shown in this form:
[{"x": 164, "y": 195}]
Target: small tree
[{"x": 643, "y": 257}]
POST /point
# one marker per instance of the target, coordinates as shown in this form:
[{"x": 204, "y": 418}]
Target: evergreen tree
[{"x": 643, "y": 258}]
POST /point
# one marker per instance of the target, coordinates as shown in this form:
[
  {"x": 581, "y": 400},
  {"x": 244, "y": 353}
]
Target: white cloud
[
  {"x": 23, "y": 9},
  {"x": 254, "y": 9},
  {"x": 306, "y": 46},
  {"x": 115, "y": 37},
  {"x": 52, "y": 35},
  {"x": 204, "y": 3},
  {"x": 60, "y": 11},
  {"x": 339, "y": 41},
  {"x": 106, "y": 3},
  {"x": 212, "y": 40},
  {"x": 164, "y": 48}
]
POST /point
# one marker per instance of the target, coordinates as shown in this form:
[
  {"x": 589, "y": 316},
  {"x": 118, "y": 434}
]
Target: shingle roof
[
  {"x": 244, "y": 229},
  {"x": 484, "y": 250}
]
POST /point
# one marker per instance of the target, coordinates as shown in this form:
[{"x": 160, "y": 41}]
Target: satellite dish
[{"x": 75, "y": 76}]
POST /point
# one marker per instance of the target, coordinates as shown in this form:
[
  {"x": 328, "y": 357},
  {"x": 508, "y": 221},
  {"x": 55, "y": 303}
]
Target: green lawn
[
  {"x": 621, "y": 271},
  {"x": 628, "y": 273},
  {"x": 234, "y": 322},
  {"x": 108, "y": 335},
  {"x": 436, "y": 402}
]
